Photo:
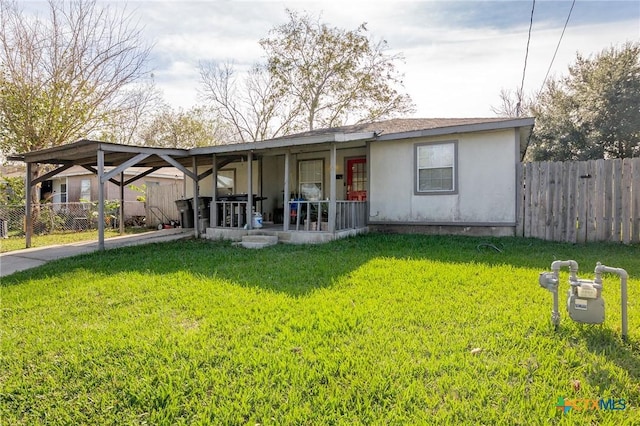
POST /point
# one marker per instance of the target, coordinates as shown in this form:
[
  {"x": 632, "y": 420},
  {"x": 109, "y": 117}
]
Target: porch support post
[
  {"x": 285, "y": 211},
  {"x": 100, "y": 199},
  {"x": 214, "y": 207},
  {"x": 195, "y": 197},
  {"x": 28, "y": 218},
  {"x": 121, "y": 212},
  {"x": 249, "y": 190},
  {"x": 332, "y": 190}
]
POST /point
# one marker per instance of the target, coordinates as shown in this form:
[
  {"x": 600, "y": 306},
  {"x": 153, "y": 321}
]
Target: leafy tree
[
  {"x": 593, "y": 112},
  {"x": 11, "y": 190},
  {"x": 63, "y": 77},
  {"x": 183, "y": 129},
  {"x": 315, "y": 76}
]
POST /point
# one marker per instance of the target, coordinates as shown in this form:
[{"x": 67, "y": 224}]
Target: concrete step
[{"x": 258, "y": 241}]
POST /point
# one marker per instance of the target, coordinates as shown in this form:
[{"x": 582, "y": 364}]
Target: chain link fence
[{"x": 49, "y": 218}]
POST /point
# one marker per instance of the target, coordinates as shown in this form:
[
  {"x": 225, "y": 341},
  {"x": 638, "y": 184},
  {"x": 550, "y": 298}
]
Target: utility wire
[
  {"x": 557, "y": 47},
  {"x": 524, "y": 70}
]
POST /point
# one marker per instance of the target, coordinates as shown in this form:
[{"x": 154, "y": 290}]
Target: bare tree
[
  {"x": 251, "y": 105},
  {"x": 513, "y": 104},
  {"x": 125, "y": 125},
  {"x": 63, "y": 77}
]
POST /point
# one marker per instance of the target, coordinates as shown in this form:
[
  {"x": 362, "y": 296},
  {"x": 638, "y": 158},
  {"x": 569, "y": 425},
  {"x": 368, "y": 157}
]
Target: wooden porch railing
[
  {"x": 351, "y": 215},
  {"x": 231, "y": 214},
  {"x": 314, "y": 215},
  {"x": 303, "y": 215}
]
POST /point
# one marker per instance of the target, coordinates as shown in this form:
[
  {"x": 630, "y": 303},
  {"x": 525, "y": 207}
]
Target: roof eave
[
  {"x": 283, "y": 143},
  {"x": 464, "y": 128}
]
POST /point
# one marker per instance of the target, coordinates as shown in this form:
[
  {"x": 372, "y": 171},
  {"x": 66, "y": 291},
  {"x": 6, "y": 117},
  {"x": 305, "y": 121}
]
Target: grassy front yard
[
  {"x": 17, "y": 243},
  {"x": 376, "y": 329}
]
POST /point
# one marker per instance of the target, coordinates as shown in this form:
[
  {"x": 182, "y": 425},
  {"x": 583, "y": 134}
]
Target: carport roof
[{"x": 83, "y": 153}]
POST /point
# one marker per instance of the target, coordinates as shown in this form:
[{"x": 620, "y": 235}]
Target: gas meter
[
  {"x": 584, "y": 297},
  {"x": 585, "y": 303}
]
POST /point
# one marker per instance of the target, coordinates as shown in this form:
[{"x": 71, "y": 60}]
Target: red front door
[{"x": 357, "y": 179}]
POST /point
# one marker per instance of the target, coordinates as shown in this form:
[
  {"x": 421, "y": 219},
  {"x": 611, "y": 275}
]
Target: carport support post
[
  {"x": 121, "y": 210},
  {"x": 332, "y": 191},
  {"x": 285, "y": 211},
  {"x": 249, "y": 189},
  {"x": 195, "y": 197},
  {"x": 214, "y": 207},
  {"x": 100, "y": 199},
  {"x": 28, "y": 220}
]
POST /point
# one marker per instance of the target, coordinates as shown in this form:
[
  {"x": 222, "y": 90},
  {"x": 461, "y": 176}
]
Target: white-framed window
[
  {"x": 226, "y": 181},
  {"x": 85, "y": 190},
  {"x": 310, "y": 178},
  {"x": 63, "y": 192},
  {"x": 85, "y": 193},
  {"x": 436, "y": 168}
]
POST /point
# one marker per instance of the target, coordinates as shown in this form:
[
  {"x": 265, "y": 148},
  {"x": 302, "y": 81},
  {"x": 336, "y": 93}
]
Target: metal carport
[{"x": 94, "y": 156}]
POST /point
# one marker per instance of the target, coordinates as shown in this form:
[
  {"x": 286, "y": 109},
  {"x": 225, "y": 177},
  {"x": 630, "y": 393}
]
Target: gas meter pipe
[
  {"x": 555, "y": 268},
  {"x": 600, "y": 268}
]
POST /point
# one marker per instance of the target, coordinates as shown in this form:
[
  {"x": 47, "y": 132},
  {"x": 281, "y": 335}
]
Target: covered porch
[{"x": 309, "y": 190}]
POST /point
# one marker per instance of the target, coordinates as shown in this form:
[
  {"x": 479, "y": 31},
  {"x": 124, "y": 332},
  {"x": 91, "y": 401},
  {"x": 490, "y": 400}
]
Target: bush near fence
[{"x": 50, "y": 218}]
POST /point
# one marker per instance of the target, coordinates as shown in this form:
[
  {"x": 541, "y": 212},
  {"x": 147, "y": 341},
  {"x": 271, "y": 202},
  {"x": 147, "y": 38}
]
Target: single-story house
[{"x": 406, "y": 175}]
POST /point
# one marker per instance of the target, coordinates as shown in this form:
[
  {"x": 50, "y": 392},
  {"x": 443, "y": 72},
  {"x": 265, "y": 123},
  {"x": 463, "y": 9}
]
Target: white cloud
[{"x": 459, "y": 55}]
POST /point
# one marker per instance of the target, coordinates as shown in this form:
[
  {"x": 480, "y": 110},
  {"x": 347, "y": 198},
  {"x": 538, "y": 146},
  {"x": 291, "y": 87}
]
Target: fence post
[{"x": 520, "y": 183}]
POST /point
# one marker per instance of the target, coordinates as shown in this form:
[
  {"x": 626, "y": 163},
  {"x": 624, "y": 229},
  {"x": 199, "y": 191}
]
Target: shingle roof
[{"x": 399, "y": 125}]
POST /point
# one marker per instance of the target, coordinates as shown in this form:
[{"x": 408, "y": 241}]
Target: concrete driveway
[{"x": 20, "y": 260}]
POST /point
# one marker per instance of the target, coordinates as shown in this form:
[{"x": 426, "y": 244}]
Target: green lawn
[
  {"x": 17, "y": 243},
  {"x": 378, "y": 329}
]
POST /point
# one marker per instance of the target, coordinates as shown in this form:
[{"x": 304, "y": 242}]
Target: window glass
[
  {"x": 436, "y": 167},
  {"x": 85, "y": 190},
  {"x": 226, "y": 181},
  {"x": 63, "y": 192},
  {"x": 310, "y": 178}
]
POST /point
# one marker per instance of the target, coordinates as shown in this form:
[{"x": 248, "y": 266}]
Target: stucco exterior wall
[{"x": 486, "y": 187}]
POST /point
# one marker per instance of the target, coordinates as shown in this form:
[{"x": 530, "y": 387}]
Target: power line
[
  {"x": 557, "y": 47},
  {"x": 526, "y": 56}
]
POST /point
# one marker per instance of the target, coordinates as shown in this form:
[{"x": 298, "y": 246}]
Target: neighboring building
[{"x": 78, "y": 184}]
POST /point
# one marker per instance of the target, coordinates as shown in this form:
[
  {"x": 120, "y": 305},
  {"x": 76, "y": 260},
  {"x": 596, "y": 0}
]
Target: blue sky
[{"x": 458, "y": 54}]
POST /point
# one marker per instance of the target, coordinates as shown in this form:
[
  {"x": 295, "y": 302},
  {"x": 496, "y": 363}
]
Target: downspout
[{"x": 600, "y": 268}]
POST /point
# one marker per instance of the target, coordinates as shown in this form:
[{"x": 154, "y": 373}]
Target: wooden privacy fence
[
  {"x": 597, "y": 200},
  {"x": 161, "y": 203}
]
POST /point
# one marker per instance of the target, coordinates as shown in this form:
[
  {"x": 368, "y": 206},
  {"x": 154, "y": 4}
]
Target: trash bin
[
  {"x": 204, "y": 207},
  {"x": 186, "y": 212}
]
